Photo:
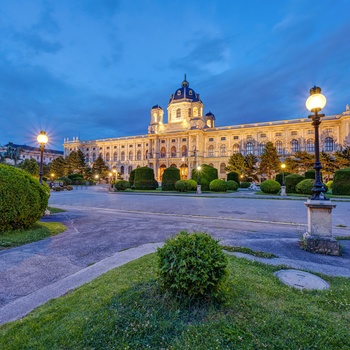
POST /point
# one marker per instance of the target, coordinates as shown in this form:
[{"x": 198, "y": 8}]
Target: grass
[
  {"x": 37, "y": 232},
  {"x": 123, "y": 309},
  {"x": 245, "y": 250},
  {"x": 54, "y": 210}
]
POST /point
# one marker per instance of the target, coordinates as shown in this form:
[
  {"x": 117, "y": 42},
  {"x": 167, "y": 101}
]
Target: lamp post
[
  {"x": 42, "y": 139},
  {"x": 96, "y": 177},
  {"x": 318, "y": 238},
  {"x": 314, "y": 104},
  {"x": 283, "y": 187},
  {"x": 199, "y": 191}
]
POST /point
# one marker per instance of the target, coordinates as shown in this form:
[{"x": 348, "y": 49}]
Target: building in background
[{"x": 190, "y": 138}]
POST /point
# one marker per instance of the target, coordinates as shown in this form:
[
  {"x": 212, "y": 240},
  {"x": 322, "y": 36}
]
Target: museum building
[{"x": 189, "y": 138}]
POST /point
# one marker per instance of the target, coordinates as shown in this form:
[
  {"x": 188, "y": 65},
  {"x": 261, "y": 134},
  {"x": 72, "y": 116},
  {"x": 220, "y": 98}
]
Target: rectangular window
[
  {"x": 108, "y": 147},
  {"x": 278, "y": 134},
  {"x": 310, "y": 132},
  {"x": 262, "y": 135},
  {"x": 162, "y": 141},
  {"x": 183, "y": 140},
  {"x": 139, "y": 145},
  {"x": 115, "y": 147},
  {"x": 294, "y": 133},
  {"x": 328, "y": 131},
  {"x": 130, "y": 146},
  {"x": 235, "y": 137},
  {"x": 146, "y": 144},
  {"x": 93, "y": 149},
  {"x": 100, "y": 147},
  {"x": 123, "y": 146},
  {"x": 211, "y": 138},
  {"x": 249, "y": 137},
  {"x": 223, "y": 138},
  {"x": 173, "y": 140}
]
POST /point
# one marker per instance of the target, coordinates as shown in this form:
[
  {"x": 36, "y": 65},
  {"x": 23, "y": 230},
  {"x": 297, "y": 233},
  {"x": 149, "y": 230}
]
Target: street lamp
[
  {"x": 96, "y": 177},
  {"x": 283, "y": 187},
  {"x": 199, "y": 191},
  {"x": 42, "y": 139},
  {"x": 314, "y": 104}
]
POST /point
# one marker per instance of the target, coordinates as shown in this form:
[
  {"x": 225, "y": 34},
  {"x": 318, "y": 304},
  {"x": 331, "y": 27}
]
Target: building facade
[{"x": 190, "y": 138}]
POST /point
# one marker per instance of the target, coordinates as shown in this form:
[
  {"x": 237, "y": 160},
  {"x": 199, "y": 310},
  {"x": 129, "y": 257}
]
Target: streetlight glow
[
  {"x": 42, "y": 138},
  {"x": 316, "y": 100}
]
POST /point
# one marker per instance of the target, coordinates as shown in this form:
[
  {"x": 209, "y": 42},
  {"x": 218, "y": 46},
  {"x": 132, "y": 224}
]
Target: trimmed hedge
[
  {"x": 291, "y": 182},
  {"x": 279, "y": 177},
  {"x": 244, "y": 184},
  {"x": 207, "y": 175},
  {"x": 132, "y": 177},
  {"x": 170, "y": 176},
  {"x": 305, "y": 186},
  {"x": 270, "y": 186},
  {"x": 341, "y": 182},
  {"x": 23, "y": 199},
  {"x": 193, "y": 184},
  {"x": 192, "y": 266},
  {"x": 233, "y": 176},
  {"x": 144, "y": 179},
  {"x": 122, "y": 185},
  {"x": 218, "y": 185},
  {"x": 183, "y": 186},
  {"x": 232, "y": 185},
  {"x": 65, "y": 180}
]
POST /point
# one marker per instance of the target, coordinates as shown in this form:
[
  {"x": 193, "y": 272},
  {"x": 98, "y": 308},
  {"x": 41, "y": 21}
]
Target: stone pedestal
[
  {"x": 318, "y": 238},
  {"x": 283, "y": 191},
  {"x": 199, "y": 189}
]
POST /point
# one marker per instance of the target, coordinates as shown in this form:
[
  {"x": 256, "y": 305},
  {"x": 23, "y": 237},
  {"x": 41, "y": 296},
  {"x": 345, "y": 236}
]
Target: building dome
[
  {"x": 184, "y": 93},
  {"x": 157, "y": 107},
  {"x": 210, "y": 115}
]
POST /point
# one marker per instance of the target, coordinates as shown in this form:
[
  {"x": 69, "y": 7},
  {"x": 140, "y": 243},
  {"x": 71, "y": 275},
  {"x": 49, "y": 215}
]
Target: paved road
[{"x": 101, "y": 224}]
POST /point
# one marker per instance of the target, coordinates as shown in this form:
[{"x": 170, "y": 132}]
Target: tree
[
  {"x": 30, "y": 166},
  {"x": 75, "y": 162},
  {"x": 100, "y": 168},
  {"x": 58, "y": 167},
  {"x": 250, "y": 170},
  {"x": 304, "y": 160},
  {"x": 329, "y": 164},
  {"x": 236, "y": 163},
  {"x": 343, "y": 157},
  {"x": 269, "y": 162}
]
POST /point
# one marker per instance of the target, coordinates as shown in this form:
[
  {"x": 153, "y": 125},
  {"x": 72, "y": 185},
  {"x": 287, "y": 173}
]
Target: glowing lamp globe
[
  {"x": 42, "y": 138},
  {"x": 316, "y": 100},
  {"x": 283, "y": 166}
]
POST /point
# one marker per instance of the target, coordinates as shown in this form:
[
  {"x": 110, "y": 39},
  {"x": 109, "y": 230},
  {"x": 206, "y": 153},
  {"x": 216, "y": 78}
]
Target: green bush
[
  {"x": 192, "y": 184},
  {"x": 75, "y": 177},
  {"x": 132, "y": 177},
  {"x": 305, "y": 186},
  {"x": 183, "y": 186},
  {"x": 23, "y": 199},
  {"x": 310, "y": 174},
  {"x": 65, "y": 180},
  {"x": 144, "y": 179},
  {"x": 122, "y": 185},
  {"x": 218, "y": 185},
  {"x": 279, "y": 177},
  {"x": 207, "y": 175},
  {"x": 329, "y": 184},
  {"x": 270, "y": 186},
  {"x": 233, "y": 176},
  {"x": 291, "y": 182},
  {"x": 244, "y": 184},
  {"x": 341, "y": 182},
  {"x": 170, "y": 176},
  {"x": 192, "y": 266},
  {"x": 232, "y": 185}
]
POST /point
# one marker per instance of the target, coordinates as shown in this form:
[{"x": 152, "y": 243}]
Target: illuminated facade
[{"x": 190, "y": 138}]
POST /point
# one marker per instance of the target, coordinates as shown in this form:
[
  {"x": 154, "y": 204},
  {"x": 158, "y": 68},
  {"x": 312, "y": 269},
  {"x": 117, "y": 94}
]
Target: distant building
[
  {"x": 190, "y": 138},
  {"x": 28, "y": 152}
]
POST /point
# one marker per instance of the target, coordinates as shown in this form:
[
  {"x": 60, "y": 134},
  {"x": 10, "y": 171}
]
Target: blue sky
[{"x": 94, "y": 68}]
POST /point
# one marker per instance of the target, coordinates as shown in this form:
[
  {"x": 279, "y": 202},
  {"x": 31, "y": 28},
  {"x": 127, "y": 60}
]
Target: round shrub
[
  {"x": 329, "y": 184},
  {"x": 270, "y": 186},
  {"x": 65, "y": 180},
  {"x": 232, "y": 185},
  {"x": 183, "y": 186},
  {"x": 192, "y": 184},
  {"x": 279, "y": 177},
  {"x": 192, "y": 265},
  {"x": 207, "y": 175},
  {"x": 23, "y": 199},
  {"x": 132, "y": 177},
  {"x": 233, "y": 176},
  {"x": 218, "y": 186},
  {"x": 244, "y": 184},
  {"x": 122, "y": 185},
  {"x": 305, "y": 186},
  {"x": 341, "y": 182},
  {"x": 291, "y": 181},
  {"x": 144, "y": 179},
  {"x": 170, "y": 176}
]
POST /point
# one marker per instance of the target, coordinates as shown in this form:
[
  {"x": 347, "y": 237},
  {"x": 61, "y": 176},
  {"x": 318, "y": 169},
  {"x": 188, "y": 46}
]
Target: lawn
[
  {"x": 123, "y": 309},
  {"x": 38, "y": 231}
]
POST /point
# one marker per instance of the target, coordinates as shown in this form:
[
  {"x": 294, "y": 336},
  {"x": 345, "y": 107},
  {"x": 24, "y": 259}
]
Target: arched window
[
  {"x": 115, "y": 156},
  {"x": 178, "y": 113},
  {"x": 100, "y": 155},
  {"x": 122, "y": 157},
  {"x": 173, "y": 151},
  {"x": 184, "y": 151},
  {"x": 93, "y": 157},
  {"x": 122, "y": 169},
  {"x": 151, "y": 165},
  {"x": 190, "y": 112},
  {"x": 87, "y": 159},
  {"x": 173, "y": 165},
  {"x": 262, "y": 148},
  {"x": 130, "y": 169},
  {"x": 222, "y": 150},
  {"x": 107, "y": 157},
  {"x": 211, "y": 164},
  {"x": 131, "y": 155},
  {"x": 236, "y": 148},
  {"x": 211, "y": 151},
  {"x": 294, "y": 145},
  {"x": 183, "y": 171},
  {"x": 195, "y": 111},
  {"x": 249, "y": 148},
  {"x": 138, "y": 155},
  {"x": 161, "y": 171},
  {"x": 279, "y": 147},
  {"x": 162, "y": 152},
  {"x": 310, "y": 145},
  {"x": 222, "y": 168},
  {"x": 328, "y": 144}
]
